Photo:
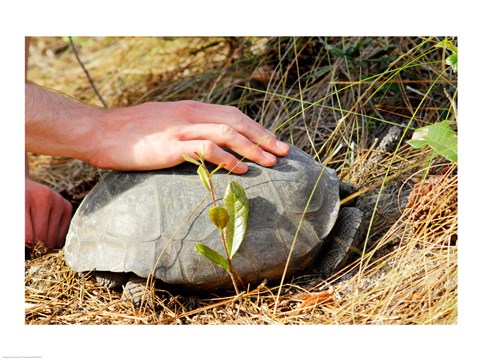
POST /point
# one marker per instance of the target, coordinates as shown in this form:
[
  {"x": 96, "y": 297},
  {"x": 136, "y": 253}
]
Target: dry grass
[{"x": 352, "y": 112}]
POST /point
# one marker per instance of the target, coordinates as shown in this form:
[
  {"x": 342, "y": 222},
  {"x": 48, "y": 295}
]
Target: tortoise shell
[{"x": 149, "y": 223}]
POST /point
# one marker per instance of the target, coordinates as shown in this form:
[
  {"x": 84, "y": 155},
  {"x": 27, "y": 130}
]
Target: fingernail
[
  {"x": 271, "y": 158},
  {"x": 241, "y": 167},
  {"x": 282, "y": 147}
]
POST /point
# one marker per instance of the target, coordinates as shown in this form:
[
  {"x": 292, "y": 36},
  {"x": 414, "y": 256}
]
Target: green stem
[
  {"x": 229, "y": 261},
  {"x": 214, "y": 200},
  {"x": 222, "y": 235}
]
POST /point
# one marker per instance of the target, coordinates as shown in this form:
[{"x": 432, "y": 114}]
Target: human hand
[
  {"x": 157, "y": 135},
  {"x": 47, "y": 215}
]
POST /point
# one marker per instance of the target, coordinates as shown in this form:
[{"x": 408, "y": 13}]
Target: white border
[{"x": 206, "y": 18}]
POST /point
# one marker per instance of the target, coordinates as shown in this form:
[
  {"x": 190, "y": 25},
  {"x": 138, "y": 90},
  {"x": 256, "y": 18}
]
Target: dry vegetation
[{"x": 350, "y": 102}]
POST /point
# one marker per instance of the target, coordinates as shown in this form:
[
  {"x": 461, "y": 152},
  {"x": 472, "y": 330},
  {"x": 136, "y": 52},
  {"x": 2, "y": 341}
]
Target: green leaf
[
  {"x": 440, "y": 137},
  {"x": 220, "y": 166},
  {"x": 322, "y": 71},
  {"x": 191, "y": 160},
  {"x": 452, "y": 60},
  {"x": 212, "y": 255},
  {"x": 348, "y": 52},
  {"x": 202, "y": 172},
  {"x": 367, "y": 41},
  {"x": 219, "y": 216},
  {"x": 238, "y": 207},
  {"x": 351, "y": 50},
  {"x": 447, "y": 44},
  {"x": 335, "y": 51}
]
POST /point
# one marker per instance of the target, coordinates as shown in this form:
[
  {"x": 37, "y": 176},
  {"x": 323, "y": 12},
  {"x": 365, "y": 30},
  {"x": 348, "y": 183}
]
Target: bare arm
[
  {"x": 147, "y": 136},
  {"x": 47, "y": 213},
  {"x": 58, "y": 125}
]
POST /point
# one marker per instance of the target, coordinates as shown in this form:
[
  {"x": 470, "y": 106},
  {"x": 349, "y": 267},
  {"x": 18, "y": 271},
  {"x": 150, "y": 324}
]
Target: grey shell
[{"x": 149, "y": 222}]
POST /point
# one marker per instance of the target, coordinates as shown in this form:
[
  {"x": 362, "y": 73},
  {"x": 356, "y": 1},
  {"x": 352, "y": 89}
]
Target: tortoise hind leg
[
  {"x": 137, "y": 291},
  {"x": 342, "y": 242}
]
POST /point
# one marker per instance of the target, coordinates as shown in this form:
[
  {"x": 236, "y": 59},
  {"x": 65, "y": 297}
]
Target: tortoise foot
[
  {"x": 344, "y": 241},
  {"x": 136, "y": 291}
]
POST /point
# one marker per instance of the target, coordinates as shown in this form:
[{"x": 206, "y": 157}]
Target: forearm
[
  {"x": 60, "y": 126},
  {"x": 144, "y": 137}
]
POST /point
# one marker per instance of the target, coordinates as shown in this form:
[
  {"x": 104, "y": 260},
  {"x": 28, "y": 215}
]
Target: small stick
[{"x": 86, "y": 73}]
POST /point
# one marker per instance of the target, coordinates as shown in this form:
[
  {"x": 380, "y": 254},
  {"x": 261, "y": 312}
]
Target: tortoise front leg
[{"x": 342, "y": 242}]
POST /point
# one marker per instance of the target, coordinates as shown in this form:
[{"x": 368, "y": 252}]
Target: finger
[
  {"x": 231, "y": 116},
  {"x": 56, "y": 229},
  {"x": 40, "y": 213},
  {"x": 29, "y": 234},
  {"x": 64, "y": 223},
  {"x": 215, "y": 154},
  {"x": 54, "y": 217},
  {"x": 225, "y": 136}
]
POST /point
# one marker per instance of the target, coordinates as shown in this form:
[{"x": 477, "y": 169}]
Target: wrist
[
  {"x": 106, "y": 137},
  {"x": 87, "y": 136}
]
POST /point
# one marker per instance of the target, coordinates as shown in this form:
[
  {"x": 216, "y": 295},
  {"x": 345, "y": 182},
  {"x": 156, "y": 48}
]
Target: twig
[{"x": 86, "y": 73}]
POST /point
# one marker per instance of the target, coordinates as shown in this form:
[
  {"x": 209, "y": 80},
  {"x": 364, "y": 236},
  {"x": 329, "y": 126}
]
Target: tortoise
[{"x": 139, "y": 223}]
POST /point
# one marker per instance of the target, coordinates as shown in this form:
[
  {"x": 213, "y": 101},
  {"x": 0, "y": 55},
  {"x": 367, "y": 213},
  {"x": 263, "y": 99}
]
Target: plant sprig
[
  {"x": 440, "y": 136},
  {"x": 231, "y": 219},
  {"x": 451, "y": 60}
]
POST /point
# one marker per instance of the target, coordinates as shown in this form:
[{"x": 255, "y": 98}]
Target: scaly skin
[{"x": 344, "y": 240}]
